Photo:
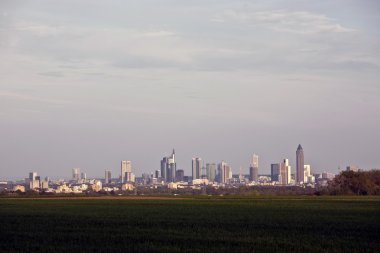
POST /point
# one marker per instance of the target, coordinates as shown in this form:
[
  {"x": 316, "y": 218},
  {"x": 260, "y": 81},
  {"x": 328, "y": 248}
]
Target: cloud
[
  {"x": 116, "y": 46},
  {"x": 39, "y": 29},
  {"x": 301, "y": 22},
  {"x": 161, "y": 33},
  {"x": 19, "y": 96},
  {"x": 52, "y": 74}
]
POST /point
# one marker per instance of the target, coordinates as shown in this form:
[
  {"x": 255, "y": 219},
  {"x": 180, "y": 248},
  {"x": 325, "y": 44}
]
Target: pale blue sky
[{"x": 89, "y": 83}]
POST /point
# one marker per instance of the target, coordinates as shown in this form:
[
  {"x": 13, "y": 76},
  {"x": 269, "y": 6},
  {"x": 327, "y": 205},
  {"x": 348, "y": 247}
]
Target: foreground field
[{"x": 309, "y": 224}]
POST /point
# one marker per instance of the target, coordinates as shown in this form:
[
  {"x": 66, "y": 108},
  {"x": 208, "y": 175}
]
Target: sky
[{"x": 90, "y": 83}]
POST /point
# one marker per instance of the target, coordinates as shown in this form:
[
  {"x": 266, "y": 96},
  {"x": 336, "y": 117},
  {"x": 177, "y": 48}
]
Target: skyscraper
[
  {"x": 32, "y": 175},
  {"x": 275, "y": 172},
  {"x": 180, "y": 175},
  {"x": 169, "y": 168},
  {"x": 307, "y": 173},
  {"x": 224, "y": 172},
  {"x": 300, "y": 165},
  {"x": 211, "y": 171},
  {"x": 285, "y": 172},
  {"x": 157, "y": 173},
  {"x": 196, "y": 165},
  {"x": 254, "y": 168},
  {"x": 76, "y": 174},
  {"x": 126, "y": 171},
  {"x": 34, "y": 181},
  {"x": 107, "y": 177}
]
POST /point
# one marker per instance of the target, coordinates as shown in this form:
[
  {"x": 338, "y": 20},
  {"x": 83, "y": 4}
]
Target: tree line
[{"x": 355, "y": 183}]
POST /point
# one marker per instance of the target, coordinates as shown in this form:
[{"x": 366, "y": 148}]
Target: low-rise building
[
  {"x": 173, "y": 186},
  {"x": 97, "y": 186},
  {"x": 20, "y": 188},
  {"x": 127, "y": 187}
]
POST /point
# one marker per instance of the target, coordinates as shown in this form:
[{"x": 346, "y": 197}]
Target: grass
[{"x": 278, "y": 224}]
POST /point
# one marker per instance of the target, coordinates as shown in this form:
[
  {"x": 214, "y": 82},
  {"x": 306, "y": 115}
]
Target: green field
[{"x": 294, "y": 224}]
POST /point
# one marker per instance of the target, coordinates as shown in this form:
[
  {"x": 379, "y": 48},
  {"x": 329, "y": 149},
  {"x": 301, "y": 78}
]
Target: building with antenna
[{"x": 169, "y": 168}]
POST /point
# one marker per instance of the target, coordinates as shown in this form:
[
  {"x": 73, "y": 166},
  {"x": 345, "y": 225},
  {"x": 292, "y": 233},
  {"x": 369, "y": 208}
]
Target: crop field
[{"x": 275, "y": 224}]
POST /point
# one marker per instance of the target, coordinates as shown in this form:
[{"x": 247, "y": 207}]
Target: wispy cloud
[
  {"x": 20, "y": 96},
  {"x": 52, "y": 74},
  {"x": 301, "y": 22}
]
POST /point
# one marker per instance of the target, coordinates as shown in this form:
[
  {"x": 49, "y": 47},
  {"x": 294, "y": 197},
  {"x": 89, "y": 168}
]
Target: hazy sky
[{"x": 89, "y": 83}]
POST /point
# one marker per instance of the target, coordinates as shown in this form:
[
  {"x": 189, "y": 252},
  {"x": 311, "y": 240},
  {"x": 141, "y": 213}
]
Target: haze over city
[{"x": 88, "y": 84}]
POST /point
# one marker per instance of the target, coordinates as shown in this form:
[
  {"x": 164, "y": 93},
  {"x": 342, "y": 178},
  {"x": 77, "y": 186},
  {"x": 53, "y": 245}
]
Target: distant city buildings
[
  {"x": 308, "y": 177},
  {"x": 352, "y": 168},
  {"x": 281, "y": 173},
  {"x": 328, "y": 175},
  {"x": 210, "y": 175},
  {"x": 34, "y": 181}
]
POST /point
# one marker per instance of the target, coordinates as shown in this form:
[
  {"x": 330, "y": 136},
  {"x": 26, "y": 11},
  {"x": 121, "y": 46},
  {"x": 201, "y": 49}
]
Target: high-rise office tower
[
  {"x": 157, "y": 173},
  {"x": 288, "y": 172},
  {"x": 145, "y": 178},
  {"x": 164, "y": 163},
  {"x": 299, "y": 165},
  {"x": 196, "y": 165},
  {"x": 275, "y": 172},
  {"x": 76, "y": 174},
  {"x": 32, "y": 175},
  {"x": 211, "y": 171},
  {"x": 34, "y": 184},
  {"x": 169, "y": 168},
  {"x": 307, "y": 173},
  {"x": 180, "y": 175},
  {"x": 126, "y": 171},
  {"x": 221, "y": 172},
  {"x": 107, "y": 177},
  {"x": 285, "y": 172},
  {"x": 44, "y": 184},
  {"x": 255, "y": 161},
  {"x": 228, "y": 173},
  {"x": 254, "y": 168},
  {"x": 224, "y": 172},
  {"x": 34, "y": 180},
  {"x": 253, "y": 174}
]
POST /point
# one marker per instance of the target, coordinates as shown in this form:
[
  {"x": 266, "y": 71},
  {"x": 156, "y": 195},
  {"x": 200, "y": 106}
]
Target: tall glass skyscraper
[
  {"x": 211, "y": 171},
  {"x": 196, "y": 165},
  {"x": 169, "y": 168},
  {"x": 300, "y": 165}
]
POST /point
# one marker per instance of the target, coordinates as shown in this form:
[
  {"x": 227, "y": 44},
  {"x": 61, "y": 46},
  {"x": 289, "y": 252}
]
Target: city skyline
[
  {"x": 90, "y": 83},
  {"x": 198, "y": 165},
  {"x": 168, "y": 176}
]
